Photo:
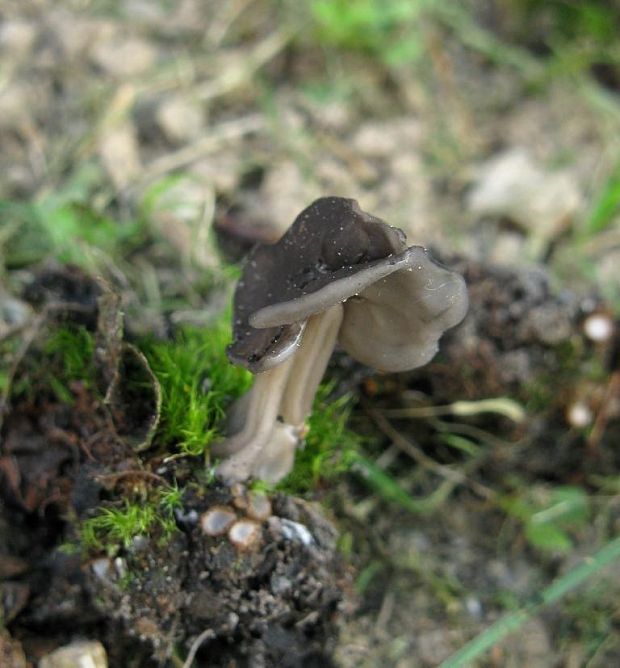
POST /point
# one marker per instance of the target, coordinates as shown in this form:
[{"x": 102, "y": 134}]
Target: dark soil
[{"x": 278, "y": 600}]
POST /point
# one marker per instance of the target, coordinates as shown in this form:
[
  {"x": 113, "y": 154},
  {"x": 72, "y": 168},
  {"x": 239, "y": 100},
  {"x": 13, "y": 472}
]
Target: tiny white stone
[
  {"x": 598, "y": 327},
  {"x": 101, "y": 568},
  {"x": 579, "y": 415},
  {"x": 296, "y": 532},
  {"x": 259, "y": 506}
]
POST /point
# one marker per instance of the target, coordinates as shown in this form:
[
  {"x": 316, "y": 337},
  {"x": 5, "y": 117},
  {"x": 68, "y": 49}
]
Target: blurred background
[{"x": 154, "y": 141}]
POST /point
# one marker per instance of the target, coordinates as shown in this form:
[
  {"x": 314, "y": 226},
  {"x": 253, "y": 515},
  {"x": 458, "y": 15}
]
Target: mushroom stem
[
  {"x": 262, "y": 408},
  {"x": 265, "y": 447},
  {"x": 309, "y": 364}
]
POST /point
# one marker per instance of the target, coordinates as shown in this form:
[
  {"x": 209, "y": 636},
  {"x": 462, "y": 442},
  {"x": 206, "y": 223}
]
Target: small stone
[
  {"x": 378, "y": 139},
  {"x": 14, "y": 313},
  {"x": 217, "y": 520},
  {"x": 76, "y": 35},
  {"x": 16, "y": 103},
  {"x": 16, "y": 38},
  {"x": 280, "y": 585},
  {"x": 259, "y": 506},
  {"x": 512, "y": 185},
  {"x": 293, "y": 531},
  {"x": 598, "y": 327},
  {"x": 102, "y": 568},
  {"x": 245, "y": 534},
  {"x": 181, "y": 119},
  {"x": 119, "y": 152},
  {"x": 79, "y": 654},
  {"x": 128, "y": 57},
  {"x": 239, "y": 494},
  {"x": 579, "y": 415}
]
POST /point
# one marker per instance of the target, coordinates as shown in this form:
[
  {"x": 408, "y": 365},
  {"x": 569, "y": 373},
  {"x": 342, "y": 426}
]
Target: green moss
[
  {"x": 198, "y": 384},
  {"x": 119, "y": 525},
  {"x": 329, "y": 445},
  {"x": 66, "y": 226}
]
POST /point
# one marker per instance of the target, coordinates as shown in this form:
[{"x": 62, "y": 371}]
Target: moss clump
[
  {"x": 329, "y": 445},
  {"x": 120, "y": 525},
  {"x": 198, "y": 384}
]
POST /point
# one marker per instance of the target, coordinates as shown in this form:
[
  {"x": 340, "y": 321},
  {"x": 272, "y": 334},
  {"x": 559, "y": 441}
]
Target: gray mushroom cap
[{"x": 398, "y": 300}]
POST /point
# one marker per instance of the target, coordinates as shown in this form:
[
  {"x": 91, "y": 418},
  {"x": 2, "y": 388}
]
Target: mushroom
[{"x": 338, "y": 275}]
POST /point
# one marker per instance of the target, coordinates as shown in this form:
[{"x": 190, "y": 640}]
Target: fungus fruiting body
[{"x": 337, "y": 276}]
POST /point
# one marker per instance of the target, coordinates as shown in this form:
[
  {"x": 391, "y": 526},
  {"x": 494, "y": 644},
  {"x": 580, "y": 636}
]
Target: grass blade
[{"x": 511, "y": 622}]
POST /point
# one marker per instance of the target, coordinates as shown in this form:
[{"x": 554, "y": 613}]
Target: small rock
[
  {"x": 13, "y": 313},
  {"x": 79, "y": 654},
  {"x": 16, "y": 38},
  {"x": 381, "y": 139},
  {"x": 259, "y": 506},
  {"x": 511, "y": 185},
  {"x": 290, "y": 530},
  {"x": 16, "y": 102},
  {"x": 599, "y": 327},
  {"x": 123, "y": 58},
  {"x": 282, "y": 190},
  {"x": 181, "y": 119},
  {"x": 77, "y": 35},
  {"x": 119, "y": 152},
  {"x": 579, "y": 415}
]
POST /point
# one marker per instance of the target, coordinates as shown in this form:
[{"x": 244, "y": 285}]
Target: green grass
[
  {"x": 67, "y": 226},
  {"x": 564, "y": 585},
  {"x": 198, "y": 383},
  {"x": 605, "y": 205},
  {"x": 549, "y": 515},
  {"x": 65, "y": 357},
  {"x": 386, "y": 29}
]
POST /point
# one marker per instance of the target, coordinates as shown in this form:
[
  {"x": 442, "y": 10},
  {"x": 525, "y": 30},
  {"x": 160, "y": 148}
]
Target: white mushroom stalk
[
  {"x": 265, "y": 446},
  {"x": 337, "y": 276}
]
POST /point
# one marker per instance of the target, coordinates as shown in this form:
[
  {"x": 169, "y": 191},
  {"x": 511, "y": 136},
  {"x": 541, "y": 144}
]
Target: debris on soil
[
  {"x": 514, "y": 187},
  {"x": 265, "y": 593},
  {"x": 268, "y": 584},
  {"x": 79, "y": 653}
]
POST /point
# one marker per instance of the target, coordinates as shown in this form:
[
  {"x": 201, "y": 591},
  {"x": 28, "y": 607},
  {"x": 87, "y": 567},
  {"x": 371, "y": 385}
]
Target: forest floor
[{"x": 144, "y": 148}]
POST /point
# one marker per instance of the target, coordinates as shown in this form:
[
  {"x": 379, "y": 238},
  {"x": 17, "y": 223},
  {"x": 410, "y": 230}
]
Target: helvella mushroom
[{"x": 337, "y": 276}]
